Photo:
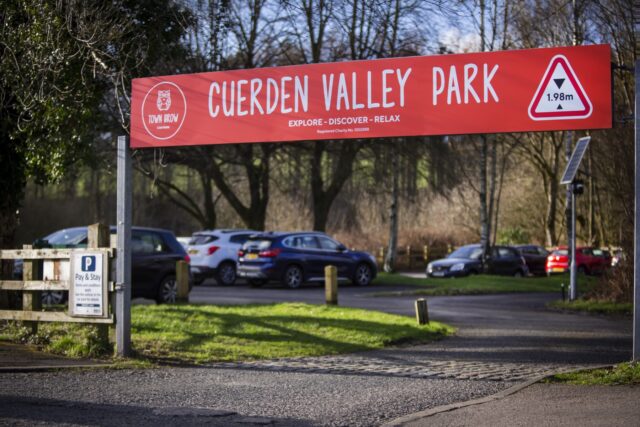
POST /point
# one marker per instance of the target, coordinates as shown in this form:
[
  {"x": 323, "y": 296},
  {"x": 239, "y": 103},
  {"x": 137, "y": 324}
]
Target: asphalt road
[
  {"x": 505, "y": 327},
  {"x": 501, "y": 339}
]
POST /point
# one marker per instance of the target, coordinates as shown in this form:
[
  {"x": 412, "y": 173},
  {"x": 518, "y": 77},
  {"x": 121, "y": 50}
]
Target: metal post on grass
[
  {"x": 573, "y": 285},
  {"x": 636, "y": 226},
  {"x": 123, "y": 260}
]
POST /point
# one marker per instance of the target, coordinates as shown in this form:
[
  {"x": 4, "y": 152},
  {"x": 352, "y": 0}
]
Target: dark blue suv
[{"x": 295, "y": 258}]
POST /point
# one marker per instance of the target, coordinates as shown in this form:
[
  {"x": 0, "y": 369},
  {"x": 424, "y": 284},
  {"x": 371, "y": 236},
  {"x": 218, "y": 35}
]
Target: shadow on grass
[{"x": 217, "y": 334}]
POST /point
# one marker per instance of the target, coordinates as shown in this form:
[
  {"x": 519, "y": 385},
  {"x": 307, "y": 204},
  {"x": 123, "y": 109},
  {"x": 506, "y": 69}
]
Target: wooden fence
[
  {"x": 32, "y": 284},
  {"x": 414, "y": 257},
  {"x": 50, "y": 270}
]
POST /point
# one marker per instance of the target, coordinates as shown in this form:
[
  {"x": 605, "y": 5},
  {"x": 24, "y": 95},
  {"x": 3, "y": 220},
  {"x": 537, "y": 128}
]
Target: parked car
[
  {"x": 296, "y": 258},
  {"x": 588, "y": 261},
  {"x": 214, "y": 253},
  {"x": 153, "y": 261},
  {"x": 466, "y": 260},
  {"x": 535, "y": 257},
  {"x": 184, "y": 241}
]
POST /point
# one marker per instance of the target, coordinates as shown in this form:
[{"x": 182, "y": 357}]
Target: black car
[
  {"x": 154, "y": 253},
  {"x": 535, "y": 257},
  {"x": 295, "y": 258},
  {"x": 467, "y": 260}
]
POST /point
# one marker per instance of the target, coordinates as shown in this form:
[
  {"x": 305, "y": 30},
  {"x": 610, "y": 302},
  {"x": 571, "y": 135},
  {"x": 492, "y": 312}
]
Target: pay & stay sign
[{"x": 510, "y": 91}]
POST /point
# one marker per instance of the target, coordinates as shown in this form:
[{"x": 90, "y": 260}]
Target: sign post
[
  {"x": 123, "y": 260},
  {"x": 636, "y": 234},
  {"x": 574, "y": 187}
]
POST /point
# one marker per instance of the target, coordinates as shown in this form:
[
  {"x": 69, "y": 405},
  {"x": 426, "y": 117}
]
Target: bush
[{"x": 513, "y": 236}]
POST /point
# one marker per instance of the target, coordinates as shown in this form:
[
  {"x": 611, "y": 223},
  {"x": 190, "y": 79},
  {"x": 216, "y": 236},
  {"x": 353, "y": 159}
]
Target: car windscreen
[
  {"x": 67, "y": 238},
  {"x": 560, "y": 252},
  {"x": 202, "y": 239},
  {"x": 256, "y": 245},
  {"x": 468, "y": 252}
]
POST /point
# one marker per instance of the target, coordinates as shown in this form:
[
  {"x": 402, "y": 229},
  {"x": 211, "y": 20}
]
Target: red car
[{"x": 588, "y": 260}]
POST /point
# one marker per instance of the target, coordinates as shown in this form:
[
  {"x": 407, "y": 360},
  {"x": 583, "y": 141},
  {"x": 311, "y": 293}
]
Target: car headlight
[
  {"x": 429, "y": 268},
  {"x": 457, "y": 267}
]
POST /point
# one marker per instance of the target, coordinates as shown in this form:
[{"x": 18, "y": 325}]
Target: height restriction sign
[
  {"x": 488, "y": 92},
  {"x": 560, "y": 94}
]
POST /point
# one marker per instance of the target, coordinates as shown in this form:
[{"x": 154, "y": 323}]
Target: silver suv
[{"x": 214, "y": 253}]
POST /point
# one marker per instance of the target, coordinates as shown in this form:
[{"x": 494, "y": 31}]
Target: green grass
[
  {"x": 622, "y": 374},
  {"x": 596, "y": 307},
  {"x": 477, "y": 284},
  {"x": 205, "y": 333}
]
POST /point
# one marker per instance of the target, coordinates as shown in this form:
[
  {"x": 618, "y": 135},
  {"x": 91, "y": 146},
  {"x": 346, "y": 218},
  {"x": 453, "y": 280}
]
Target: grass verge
[
  {"x": 595, "y": 307},
  {"x": 476, "y": 284},
  {"x": 621, "y": 374},
  {"x": 205, "y": 333}
]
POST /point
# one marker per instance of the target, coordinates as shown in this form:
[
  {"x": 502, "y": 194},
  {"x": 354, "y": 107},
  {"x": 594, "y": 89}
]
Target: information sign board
[
  {"x": 489, "y": 92},
  {"x": 88, "y": 288}
]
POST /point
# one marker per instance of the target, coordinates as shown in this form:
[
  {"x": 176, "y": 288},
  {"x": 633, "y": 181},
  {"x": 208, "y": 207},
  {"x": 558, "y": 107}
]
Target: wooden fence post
[
  {"x": 410, "y": 255},
  {"x": 331, "y": 284},
  {"x": 31, "y": 300},
  {"x": 422, "y": 312},
  {"x": 98, "y": 236},
  {"x": 182, "y": 280}
]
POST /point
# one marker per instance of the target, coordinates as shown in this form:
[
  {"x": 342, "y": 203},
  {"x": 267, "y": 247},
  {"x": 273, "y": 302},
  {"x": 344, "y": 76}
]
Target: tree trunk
[
  {"x": 210, "y": 218},
  {"x": 493, "y": 159},
  {"x": 568, "y": 204},
  {"x": 482, "y": 193},
  {"x": 324, "y": 194},
  {"x": 552, "y": 207},
  {"x": 390, "y": 258}
]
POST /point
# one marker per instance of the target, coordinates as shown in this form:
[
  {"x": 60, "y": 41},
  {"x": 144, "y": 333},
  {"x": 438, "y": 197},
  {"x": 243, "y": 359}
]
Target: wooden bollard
[
  {"x": 182, "y": 280},
  {"x": 331, "y": 284},
  {"x": 422, "y": 312},
  {"x": 31, "y": 300},
  {"x": 425, "y": 253},
  {"x": 98, "y": 236},
  {"x": 409, "y": 255}
]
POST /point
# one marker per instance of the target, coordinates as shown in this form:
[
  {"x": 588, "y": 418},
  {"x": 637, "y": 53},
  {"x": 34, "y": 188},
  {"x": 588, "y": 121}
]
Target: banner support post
[
  {"x": 636, "y": 225},
  {"x": 123, "y": 259}
]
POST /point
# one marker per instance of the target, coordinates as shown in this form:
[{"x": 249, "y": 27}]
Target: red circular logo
[{"x": 163, "y": 110}]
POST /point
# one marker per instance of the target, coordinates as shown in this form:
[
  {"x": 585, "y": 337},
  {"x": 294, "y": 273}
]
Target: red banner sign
[{"x": 510, "y": 91}]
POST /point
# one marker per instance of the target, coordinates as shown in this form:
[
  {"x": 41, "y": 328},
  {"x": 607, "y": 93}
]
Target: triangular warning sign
[{"x": 560, "y": 95}]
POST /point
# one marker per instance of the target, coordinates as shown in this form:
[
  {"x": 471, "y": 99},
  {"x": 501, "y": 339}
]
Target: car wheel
[
  {"x": 292, "y": 277},
  {"x": 256, "y": 283},
  {"x": 52, "y": 297},
  {"x": 363, "y": 275},
  {"x": 582, "y": 270},
  {"x": 226, "y": 274},
  {"x": 518, "y": 273},
  {"x": 167, "y": 291}
]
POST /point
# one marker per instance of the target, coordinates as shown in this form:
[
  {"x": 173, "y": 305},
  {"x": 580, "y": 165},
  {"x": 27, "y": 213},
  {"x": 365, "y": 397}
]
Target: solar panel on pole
[{"x": 574, "y": 162}]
